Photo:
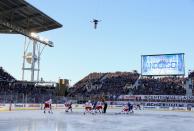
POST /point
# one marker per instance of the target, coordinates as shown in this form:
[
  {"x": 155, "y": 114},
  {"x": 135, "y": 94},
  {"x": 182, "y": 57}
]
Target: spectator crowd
[
  {"x": 112, "y": 85},
  {"x": 12, "y": 90},
  {"x": 95, "y": 85},
  {"x": 160, "y": 86},
  {"x": 109, "y": 85}
]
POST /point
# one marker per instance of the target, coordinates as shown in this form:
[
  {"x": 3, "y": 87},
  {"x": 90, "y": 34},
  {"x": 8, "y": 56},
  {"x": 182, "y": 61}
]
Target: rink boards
[{"x": 20, "y": 106}]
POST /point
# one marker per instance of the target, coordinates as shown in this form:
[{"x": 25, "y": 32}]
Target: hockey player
[
  {"x": 99, "y": 106},
  {"x": 138, "y": 106},
  {"x": 105, "y": 107},
  {"x": 94, "y": 105},
  {"x": 125, "y": 109},
  {"x": 130, "y": 107},
  {"x": 48, "y": 105},
  {"x": 88, "y": 107},
  {"x": 68, "y": 106}
]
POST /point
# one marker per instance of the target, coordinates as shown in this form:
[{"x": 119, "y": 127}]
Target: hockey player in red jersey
[{"x": 48, "y": 105}]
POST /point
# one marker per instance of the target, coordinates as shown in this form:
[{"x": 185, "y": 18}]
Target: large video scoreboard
[{"x": 163, "y": 64}]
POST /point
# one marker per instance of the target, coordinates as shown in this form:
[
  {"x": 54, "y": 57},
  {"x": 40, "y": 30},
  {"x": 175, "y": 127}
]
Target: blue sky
[{"x": 129, "y": 29}]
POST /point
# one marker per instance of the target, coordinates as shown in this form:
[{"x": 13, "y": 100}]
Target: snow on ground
[{"x": 61, "y": 121}]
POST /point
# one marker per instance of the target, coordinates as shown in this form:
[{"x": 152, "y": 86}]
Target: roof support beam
[
  {"x": 40, "y": 27},
  {"x": 29, "y": 17},
  {"x": 22, "y": 31},
  {"x": 12, "y": 9}
]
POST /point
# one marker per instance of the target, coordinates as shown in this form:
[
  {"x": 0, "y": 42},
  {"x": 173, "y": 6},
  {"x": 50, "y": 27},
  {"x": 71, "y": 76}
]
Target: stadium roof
[{"x": 20, "y": 13}]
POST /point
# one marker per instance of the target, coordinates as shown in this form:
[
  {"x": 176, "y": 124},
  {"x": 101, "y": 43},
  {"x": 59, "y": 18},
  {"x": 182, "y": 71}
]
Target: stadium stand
[
  {"x": 5, "y": 76},
  {"x": 191, "y": 74},
  {"x": 25, "y": 92},
  {"x": 160, "y": 86},
  {"x": 95, "y": 85},
  {"x": 22, "y": 91},
  {"x": 110, "y": 85}
]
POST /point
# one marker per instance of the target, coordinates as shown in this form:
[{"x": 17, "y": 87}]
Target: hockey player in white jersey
[{"x": 88, "y": 107}]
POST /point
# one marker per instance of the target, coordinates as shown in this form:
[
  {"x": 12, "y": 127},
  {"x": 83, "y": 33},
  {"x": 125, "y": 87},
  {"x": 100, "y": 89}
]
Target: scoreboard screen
[{"x": 163, "y": 64}]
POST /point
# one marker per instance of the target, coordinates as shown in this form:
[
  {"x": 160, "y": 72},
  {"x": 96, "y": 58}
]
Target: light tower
[
  {"x": 20, "y": 17},
  {"x": 33, "y": 48}
]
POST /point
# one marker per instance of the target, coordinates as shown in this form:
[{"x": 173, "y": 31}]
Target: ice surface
[{"x": 61, "y": 121}]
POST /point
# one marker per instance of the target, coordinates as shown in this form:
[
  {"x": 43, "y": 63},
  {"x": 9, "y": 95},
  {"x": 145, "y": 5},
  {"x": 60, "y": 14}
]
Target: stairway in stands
[{"x": 136, "y": 84}]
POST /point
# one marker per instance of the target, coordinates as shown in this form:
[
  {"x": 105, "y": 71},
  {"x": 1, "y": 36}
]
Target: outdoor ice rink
[{"x": 61, "y": 121}]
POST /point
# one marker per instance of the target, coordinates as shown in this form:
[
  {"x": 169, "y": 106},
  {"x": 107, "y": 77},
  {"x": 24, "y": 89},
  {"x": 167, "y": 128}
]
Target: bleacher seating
[
  {"x": 109, "y": 85},
  {"x": 106, "y": 84},
  {"x": 5, "y": 76},
  {"x": 22, "y": 91},
  {"x": 120, "y": 83},
  {"x": 160, "y": 86}
]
